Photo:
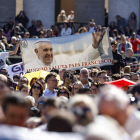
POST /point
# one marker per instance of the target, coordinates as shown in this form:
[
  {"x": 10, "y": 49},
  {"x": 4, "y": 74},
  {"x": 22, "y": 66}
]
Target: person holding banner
[{"x": 4, "y": 55}]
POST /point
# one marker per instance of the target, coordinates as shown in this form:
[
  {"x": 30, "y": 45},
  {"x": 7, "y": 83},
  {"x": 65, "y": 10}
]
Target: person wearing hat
[{"x": 62, "y": 17}]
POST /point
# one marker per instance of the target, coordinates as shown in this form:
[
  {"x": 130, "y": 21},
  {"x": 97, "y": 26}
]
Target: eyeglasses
[
  {"x": 4, "y": 73},
  {"x": 54, "y": 80},
  {"x": 36, "y": 87},
  {"x": 104, "y": 77},
  {"x": 133, "y": 66},
  {"x": 63, "y": 93}
]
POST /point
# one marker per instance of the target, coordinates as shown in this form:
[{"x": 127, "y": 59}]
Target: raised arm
[{"x": 16, "y": 49}]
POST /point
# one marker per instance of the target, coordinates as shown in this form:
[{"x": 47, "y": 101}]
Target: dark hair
[
  {"x": 115, "y": 32},
  {"x": 116, "y": 76},
  {"x": 22, "y": 12},
  {"x": 61, "y": 121},
  {"x": 68, "y": 25},
  {"x": 32, "y": 81},
  {"x": 24, "y": 78},
  {"x": 51, "y": 102},
  {"x": 135, "y": 17},
  {"x": 22, "y": 86},
  {"x": 97, "y": 84},
  {"x": 136, "y": 89},
  {"x": 83, "y": 90},
  {"x": 101, "y": 72},
  {"x": 17, "y": 76},
  {"x": 16, "y": 99},
  {"x": 114, "y": 43},
  {"x": 63, "y": 88},
  {"x": 49, "y": 76},
  {"x": 41, "y": 90},
  {"x": 118, "y": 38},
  {"x": 55, "y": 70}
]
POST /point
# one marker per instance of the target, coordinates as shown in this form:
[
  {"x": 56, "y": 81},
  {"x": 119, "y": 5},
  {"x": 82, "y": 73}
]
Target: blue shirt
[{"x": 48, "y": 93}]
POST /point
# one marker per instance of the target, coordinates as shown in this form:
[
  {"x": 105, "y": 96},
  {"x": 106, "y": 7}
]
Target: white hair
[
  {"x": 14, "y": 38},
  {"x": 84, "y": 69},
  {"x": 36, "y": 45},
  {"x": 112, "y": 93},
  {"x": 62, "y": 11},
  {"x": 88, "y": 101}
]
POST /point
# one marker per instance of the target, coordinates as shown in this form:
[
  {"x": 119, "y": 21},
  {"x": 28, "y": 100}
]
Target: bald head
[{"x": 3, "y": 78}]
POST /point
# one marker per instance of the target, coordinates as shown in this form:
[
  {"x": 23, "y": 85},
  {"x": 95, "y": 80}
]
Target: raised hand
[{"x": 97, "y": 37}]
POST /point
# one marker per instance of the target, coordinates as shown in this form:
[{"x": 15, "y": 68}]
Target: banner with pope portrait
[{"x": 71, "y": 52}]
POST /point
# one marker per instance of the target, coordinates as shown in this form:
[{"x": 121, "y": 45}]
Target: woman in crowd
[
  {"x": 24, "y": 89},
  {"x": 66, "y": 30},
  {"x": 39, "y": 26},
  {"x": 128, "y": 32},
  {"x": 94, "y": 88},
  {"x": 132, "y": 22},
  {"x": 76, "y": 86},
  {"x": 63, "y": 91},
  {"x": 50, "y": 33},
  {"x": 82, "y": 30},
  {"x": 112, "y": 26},
  {"x": 93, "y": 74},
  {"x": 7, "y": 32},
  {"x": 36, "y": 90},
  {"x": 21, "y": 18},
  {"x": 71, "y": 17}
]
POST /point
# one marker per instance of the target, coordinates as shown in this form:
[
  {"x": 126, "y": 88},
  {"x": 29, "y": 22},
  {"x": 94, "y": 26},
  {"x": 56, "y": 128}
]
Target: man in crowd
[
  {"x": 102, "y": 77},
  {"x": 117, "y": 59},
  {"x": 32, "y": 29},
  {"x": 129, "y": 57},
  {"x": 10, "y": 23},
  {"x": 135, "y": 42},
  {"x": 84, "y": 75},
  {"x": 115, "y": 103},
  {"x": 124, "y": 45},
  {"x": 27, "y": 35},
  {"x": 134, "y": 77},
  {"x": 23, "y": 80},
  {"x": 16, "y": 110},
  {"x": 52, "y": 82},
  {"x": 134, "y": 67}
]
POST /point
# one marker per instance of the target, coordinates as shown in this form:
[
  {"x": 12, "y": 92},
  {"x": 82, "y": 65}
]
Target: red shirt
[
  {"x": 123, "y": 47},
  {"x": 135, "y": 44}
]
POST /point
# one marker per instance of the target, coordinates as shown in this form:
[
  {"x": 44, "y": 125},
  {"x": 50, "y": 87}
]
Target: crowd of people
[{"x": 81, "y": 100}]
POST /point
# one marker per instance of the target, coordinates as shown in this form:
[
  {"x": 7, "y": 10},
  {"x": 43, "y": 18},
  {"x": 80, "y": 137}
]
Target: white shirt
[
  {"x": 133, "y": 122},
  {"x": 70, "y": 17},
  {"x": 48, "y": 93},
  {"x": 3, "y": 56},
  {"x": 91, "y": 29},
  {"x": 65, "y": 32}
]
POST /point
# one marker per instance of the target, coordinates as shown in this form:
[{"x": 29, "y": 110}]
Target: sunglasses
[
  {"x": 133, "y": 66},
  {"x": 36, "y": 87},
  {"x": 105, "y": 77},
  {"x": 63, "y": 93}
]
